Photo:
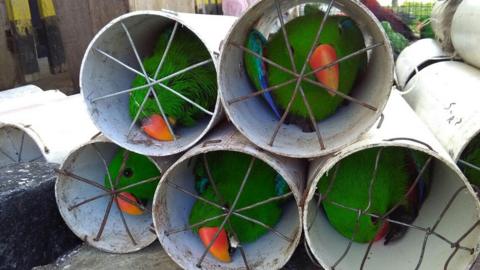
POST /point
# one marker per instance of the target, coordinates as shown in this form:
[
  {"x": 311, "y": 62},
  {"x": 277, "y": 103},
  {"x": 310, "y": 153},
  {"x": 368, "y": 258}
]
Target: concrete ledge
[
  {"x": 152, "y": 257},
  {"x": 32, "y": 230}
]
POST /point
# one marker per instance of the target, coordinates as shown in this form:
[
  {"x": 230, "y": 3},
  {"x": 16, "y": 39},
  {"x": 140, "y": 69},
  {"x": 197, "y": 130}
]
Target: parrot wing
[{"x": 256, "y": 68}]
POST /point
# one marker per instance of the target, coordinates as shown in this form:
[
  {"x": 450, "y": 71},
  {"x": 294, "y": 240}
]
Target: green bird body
[
  {"x": 228, "y": 170},
  {"x": 198, "y": 84},
  {"x": 340, "y": 32},
  {"x": 397, "y": 169},
  {"x": 137, "y": 168}
]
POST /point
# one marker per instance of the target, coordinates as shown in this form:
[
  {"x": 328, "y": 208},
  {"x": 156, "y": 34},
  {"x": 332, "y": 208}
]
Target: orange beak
[
  {"x": 156, "y": 128},
  {"x": 324, "y": 55},
  {"x": 219, "y": 249},
  {"x": 128, "y": 207}
]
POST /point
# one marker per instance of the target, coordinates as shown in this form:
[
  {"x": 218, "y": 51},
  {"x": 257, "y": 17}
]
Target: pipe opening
[
  {"x": 368, "y": 223},
  {"x": 262, "y": 225},
  {"x": 114, "y": 219},
  {"x": 153, "y": 89},
  {"x": 265, "y": 41},
  {"x": 17, "y": 146}
]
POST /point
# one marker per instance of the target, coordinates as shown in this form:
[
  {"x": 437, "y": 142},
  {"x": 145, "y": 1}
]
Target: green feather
[
  {"x": 397, "y": 40},
  {"x": 351, "y": 188},
  {"x": 137, "y": 168},
  {"x": 340, "y": 32},
  {"x": 228, "y": 170},
  {"x": 198, "y": 84}
]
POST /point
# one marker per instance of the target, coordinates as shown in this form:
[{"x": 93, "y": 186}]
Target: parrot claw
[{"x": 220, "y": 248}]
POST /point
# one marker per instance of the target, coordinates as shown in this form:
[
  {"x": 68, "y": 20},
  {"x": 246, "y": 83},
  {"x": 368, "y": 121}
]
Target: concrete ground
[
  {"x": 86, "y": 258},
  {"x": 152, "y": 257}
]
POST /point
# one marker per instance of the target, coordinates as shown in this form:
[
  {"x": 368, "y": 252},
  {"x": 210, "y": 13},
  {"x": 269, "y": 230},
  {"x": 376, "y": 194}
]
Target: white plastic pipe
[
  {"x": 26, "y": 96},
  {"x": 172, "y": 207},
  {"x": 257, "y": 122},
  {"x": 47, "y": 131},
  {"x": 415, "y": 57},
  {"x": 399, "y": 126},
  {"x": 85, "y": 220},
  {"x": 101, "y": 76},
  {"x": 441, "y": 20},
  {"x": 445, "y": 97},
  {"x": 465, "y": 31}
]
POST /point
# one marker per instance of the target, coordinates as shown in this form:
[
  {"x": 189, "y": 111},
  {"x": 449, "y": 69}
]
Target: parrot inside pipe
[
  {"x": 471, "y": 155},
  {"x": 397, "y": 170},
  {"x": 198, "y": 84},
  {"x": 228, "y": 171},
  {"x": 340, "y": 37},
  {"x": 137, "y": 168}
]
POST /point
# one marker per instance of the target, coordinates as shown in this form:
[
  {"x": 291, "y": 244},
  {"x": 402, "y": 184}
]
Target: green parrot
[
  {"x": 397, "y": 169},
  {"x": 398, "y": 41},
  {"x": 198, "y": 84},
  {"x": 472, "y": 156},
  {"x": 340, "y": 37},
  {"x": 228, "y": 170},
  {"x": 137, "y": 168}
]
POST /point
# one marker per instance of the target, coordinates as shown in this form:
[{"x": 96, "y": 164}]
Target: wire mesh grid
[
  {"x": 228, "y": 212},
  {"x": 302, "y": 74},
  {"x": 429, "y": 231},
  {"x": 416, "y": 9},
  {"x": 114, "y": 192},
  {"x": 151, "y": 81},
  {"x": 14, "y": 149}
]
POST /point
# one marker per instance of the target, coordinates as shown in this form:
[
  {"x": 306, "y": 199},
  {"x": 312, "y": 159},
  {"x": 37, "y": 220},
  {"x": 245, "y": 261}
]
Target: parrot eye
[
  {"x": 346, "y": 23},
  {"x": 127, "y": 172}
]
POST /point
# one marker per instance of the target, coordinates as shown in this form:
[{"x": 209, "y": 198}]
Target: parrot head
[{"x": 137, "y": 168}]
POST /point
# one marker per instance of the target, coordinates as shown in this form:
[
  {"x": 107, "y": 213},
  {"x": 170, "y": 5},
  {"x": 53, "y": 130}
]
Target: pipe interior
[
  {"x": 256, "y": 120},
  {"x": 328, "y": 245},
  {"x": 16, "y": 146},
  {"x": 85, "y": 220},
  {"x": 101, "y": 76},
  {"x": 471, "y": 155},
  {"x": 172, "y": 210}
]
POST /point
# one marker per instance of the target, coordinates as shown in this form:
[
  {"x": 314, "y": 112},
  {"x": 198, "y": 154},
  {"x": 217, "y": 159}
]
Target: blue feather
[{"x": 256, "y": 41}]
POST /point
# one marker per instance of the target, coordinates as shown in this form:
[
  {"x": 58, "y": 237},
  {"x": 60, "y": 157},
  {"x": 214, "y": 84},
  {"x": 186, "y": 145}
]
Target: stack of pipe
[{"x": 441, "y": 91}]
